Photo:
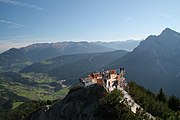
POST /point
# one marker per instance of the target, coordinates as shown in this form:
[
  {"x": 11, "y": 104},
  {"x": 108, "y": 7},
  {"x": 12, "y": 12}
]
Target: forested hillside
[{"x": 72, "y": 67}]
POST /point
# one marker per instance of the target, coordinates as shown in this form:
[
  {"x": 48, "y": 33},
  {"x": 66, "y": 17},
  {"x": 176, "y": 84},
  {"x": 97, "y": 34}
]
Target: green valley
[
  {"x": 39, "y": 86},
  {"x": 15, "y": 89}
]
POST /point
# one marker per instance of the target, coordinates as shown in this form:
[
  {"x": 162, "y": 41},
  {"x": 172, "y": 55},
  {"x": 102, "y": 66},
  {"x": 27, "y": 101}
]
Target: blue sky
[{"x": 29, "y": 21}]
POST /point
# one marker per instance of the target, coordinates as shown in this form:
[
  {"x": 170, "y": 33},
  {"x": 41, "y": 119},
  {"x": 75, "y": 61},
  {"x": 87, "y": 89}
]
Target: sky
[{"x": 24, "y": 22}]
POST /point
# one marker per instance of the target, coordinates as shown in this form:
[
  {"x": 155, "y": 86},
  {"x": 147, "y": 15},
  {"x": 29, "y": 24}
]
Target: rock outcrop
[{"x": 77, "y": 105}]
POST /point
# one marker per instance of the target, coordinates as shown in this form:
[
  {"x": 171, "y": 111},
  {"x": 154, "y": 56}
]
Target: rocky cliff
[{"x": 77, "y": 105}]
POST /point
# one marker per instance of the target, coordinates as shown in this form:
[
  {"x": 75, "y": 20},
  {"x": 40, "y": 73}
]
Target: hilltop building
[{"x": 110, "y": 79}]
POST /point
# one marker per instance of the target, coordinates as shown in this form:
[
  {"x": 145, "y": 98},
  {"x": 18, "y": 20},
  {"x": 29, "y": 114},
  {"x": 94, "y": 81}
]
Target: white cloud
[
  {"x": 17, "y": 3},
  {"x": 13, "y": 24}
]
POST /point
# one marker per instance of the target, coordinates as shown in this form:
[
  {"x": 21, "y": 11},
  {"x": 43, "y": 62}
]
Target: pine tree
[
  {"x": 161, "y": 96},
  {"x": 174, "y": 103}
]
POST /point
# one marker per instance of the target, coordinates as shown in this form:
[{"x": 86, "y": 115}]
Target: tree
[
  {"x": 174, "y": 103},
  {"x": 161, "y": 96},
  {"x": 110, "y": 108}
]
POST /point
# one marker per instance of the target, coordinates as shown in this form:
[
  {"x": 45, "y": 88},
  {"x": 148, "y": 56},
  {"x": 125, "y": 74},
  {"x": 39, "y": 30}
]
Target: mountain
[
  {"x": 72, "y": 67},
  {"x": 155, "y": 62},
  {"x": 13, "y": 77},
  {"x": 87, "y": 103},
  {"x": 16, "y": 58},
  {"x": 78, "y": 105},
  {"x": 95, "y": 103},
  {"x": 128, "y": 45},
  {"x": 7, "y": 98}
]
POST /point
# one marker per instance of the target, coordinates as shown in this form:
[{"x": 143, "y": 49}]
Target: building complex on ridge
[{"x": 109, "y": 79}]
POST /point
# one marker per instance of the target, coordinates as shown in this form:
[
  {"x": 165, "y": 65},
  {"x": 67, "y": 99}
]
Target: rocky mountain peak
[
  {"x": 167, "y": 41},
  {"x": 169, "y": 32}
]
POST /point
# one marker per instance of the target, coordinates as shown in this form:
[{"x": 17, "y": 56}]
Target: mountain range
[
  {"x": 17, "y": 58},
  {"x": 154, "y": 63},
  {"x": 38, "y": 72}
]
